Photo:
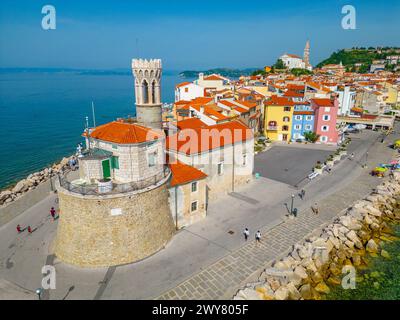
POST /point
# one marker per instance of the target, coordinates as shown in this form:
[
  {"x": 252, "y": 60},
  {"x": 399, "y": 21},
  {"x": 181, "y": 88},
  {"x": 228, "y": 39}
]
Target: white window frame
[
  {"x": 222, "y": 168},
  {"x": 325, "y": 126},
  {"x": 153, "y": 156},
  {"x": 298, "y": 117},
  {"x": 328, "y": 117},
  {"x": 194, "y": 183},
  {"x": 297, "y": 127},
  {"x": 308, "y": 127},
  {"x": 197, "y": 206},
  {"x": 323, "y": 138},
  {"x": 327, "y": 109},
  {"x": 308, "y": 118}
]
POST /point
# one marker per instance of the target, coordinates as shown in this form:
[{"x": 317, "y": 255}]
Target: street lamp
[
  {"x": 39, "y": 293},
  {"x": 291, "y": 207}
]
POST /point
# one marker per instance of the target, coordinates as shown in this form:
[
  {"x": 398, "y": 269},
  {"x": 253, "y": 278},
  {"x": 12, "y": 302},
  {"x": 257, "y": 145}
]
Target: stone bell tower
[{"x": 147, "y": 75}]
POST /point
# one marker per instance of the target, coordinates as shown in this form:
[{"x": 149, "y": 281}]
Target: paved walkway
[{"x": 222, "y": 279}]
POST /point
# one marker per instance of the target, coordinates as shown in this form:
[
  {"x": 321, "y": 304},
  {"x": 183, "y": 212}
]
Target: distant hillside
[
  {"x": 349, "y": 57},
  {"x": 225, "y": 72}
]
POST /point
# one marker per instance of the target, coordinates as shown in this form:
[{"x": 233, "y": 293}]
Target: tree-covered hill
[{"x": 365, "y": 56}]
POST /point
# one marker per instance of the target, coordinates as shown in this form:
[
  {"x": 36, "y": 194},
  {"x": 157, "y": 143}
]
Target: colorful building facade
[
  {"x": 278, "y": 116},
  {"x": 303, "y": 120},
  {"x": 325, "y": 120}
]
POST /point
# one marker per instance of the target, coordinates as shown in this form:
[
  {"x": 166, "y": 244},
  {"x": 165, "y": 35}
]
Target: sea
[{"x": 42, "y": 114}]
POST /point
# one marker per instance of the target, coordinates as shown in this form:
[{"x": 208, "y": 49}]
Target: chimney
[
  {"x": 201, "y": 76},
  {"x": 201, "y": 109}
]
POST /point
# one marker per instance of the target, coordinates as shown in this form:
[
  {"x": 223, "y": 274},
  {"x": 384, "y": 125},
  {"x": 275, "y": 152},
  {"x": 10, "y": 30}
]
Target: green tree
[
  {"x": 257, "y": 72},
  {"x": 279, "y": 64},
  {"x": 364, "y": 68},
  {"x": 311, "y": 136},
  {"x": 299, "y": 71}
]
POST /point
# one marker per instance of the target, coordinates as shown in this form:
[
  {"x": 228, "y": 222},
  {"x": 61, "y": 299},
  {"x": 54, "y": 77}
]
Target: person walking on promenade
[
  {"x": 29, "y": 229},
  {"x": 302, "y": 194},
  {"x": 53, "y": 213},
  {"x": 19, "y": 230},
  {"x": 258, "y": 236},
  {"x": 246, "y": 233},
  {"x": 315, "y": 208}
]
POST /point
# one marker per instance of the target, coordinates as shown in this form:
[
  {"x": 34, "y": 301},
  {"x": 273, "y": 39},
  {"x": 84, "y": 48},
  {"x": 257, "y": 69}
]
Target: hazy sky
[{"x": 187, "y": 34}]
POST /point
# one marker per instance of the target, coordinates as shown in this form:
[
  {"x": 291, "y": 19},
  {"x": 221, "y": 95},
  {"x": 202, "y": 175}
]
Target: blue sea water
[{"x": 42, "y": 114}]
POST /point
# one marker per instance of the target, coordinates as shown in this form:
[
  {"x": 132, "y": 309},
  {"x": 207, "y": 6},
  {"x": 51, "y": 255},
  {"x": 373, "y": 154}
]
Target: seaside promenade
[{"x": 208, "y": 260}]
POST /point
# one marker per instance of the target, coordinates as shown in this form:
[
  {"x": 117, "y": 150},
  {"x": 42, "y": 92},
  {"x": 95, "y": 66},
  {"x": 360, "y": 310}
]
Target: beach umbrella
[
  {"x": 380, "y": 169},
  {"x": 394, "y": 162}
]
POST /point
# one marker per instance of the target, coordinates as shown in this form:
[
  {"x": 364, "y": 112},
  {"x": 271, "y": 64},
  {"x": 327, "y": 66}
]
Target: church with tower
[{"x": 292, "y": 61}]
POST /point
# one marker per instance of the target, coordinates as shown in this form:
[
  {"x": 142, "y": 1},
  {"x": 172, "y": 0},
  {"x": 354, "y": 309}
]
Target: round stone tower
[{"x": 147, "y": 75}]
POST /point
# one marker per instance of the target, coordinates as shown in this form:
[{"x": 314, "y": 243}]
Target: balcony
[
  {"x": 272, "y": 128},
  {"x": 108, "y": 186}
]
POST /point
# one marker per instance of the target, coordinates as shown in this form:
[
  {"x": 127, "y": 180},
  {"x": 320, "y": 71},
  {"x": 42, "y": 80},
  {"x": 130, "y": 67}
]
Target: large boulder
[
  {"x": 250, "y": 294},
  {"x": 372, "y": 246},
  {"x": 322, "y": 288},
  {"x": 301, "y": 272},
  {"x": 282, "y": 293},
  {"x": 20, "y": 187}
]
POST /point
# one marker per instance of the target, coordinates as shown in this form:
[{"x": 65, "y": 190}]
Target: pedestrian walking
[
  {"x": 315, "y": 209},
  {"x": 302, "y": 194},
  {"x": 246, "y": 233},
  {"x": 258, "y": 236},
  {"x": 19, "y": 230},
  {"x": 29, "y": 229},
  {"x": 53, "y": 212}
]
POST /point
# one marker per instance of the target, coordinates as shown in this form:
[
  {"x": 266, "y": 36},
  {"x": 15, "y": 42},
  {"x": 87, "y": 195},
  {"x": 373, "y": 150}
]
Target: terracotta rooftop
[
  {"x": 183, "y": 173},
  {"x": 123, "y": 133},
  {"x": 279, "y": 101},
  {"x": 199, "y": 140},
  {"x": 322, "y": 102}
]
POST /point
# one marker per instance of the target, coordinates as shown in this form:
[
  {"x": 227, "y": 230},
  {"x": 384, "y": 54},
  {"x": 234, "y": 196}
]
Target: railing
[{"x": 93, "y": 189}]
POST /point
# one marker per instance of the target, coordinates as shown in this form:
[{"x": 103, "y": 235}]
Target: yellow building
[
  {"x": 278, "y": 116},
  {"x": 392, "y": 93}
]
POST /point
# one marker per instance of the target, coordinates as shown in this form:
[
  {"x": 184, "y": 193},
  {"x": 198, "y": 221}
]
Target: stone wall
[
  {"x": 101, "y": 231},
  {"x": 325, "y": 256}
]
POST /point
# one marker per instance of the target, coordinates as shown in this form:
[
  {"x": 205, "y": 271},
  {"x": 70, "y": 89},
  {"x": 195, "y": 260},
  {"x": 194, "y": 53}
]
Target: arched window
[
  {"x": 153, "y": 91},
  {"x": 286, "y": 119},
  {"x": 145, "y": 91}
]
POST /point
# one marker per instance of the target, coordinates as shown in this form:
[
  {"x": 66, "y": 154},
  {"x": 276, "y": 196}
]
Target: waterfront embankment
[{"x": 330, "y": 257}]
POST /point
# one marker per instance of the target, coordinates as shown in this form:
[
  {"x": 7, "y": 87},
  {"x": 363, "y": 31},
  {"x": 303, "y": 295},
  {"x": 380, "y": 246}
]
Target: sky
[{"x": 190, "y": 34}]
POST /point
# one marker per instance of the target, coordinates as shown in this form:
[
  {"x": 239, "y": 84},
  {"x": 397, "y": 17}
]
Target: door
[
  {"x": 284, "y": 137},
  {"x": 106, "y": 168}
]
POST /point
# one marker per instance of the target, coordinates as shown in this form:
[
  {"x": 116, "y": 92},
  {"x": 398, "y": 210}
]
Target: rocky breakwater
[
  {"x": 324, "y": 259},
  {"x": 32, "y": 181}
]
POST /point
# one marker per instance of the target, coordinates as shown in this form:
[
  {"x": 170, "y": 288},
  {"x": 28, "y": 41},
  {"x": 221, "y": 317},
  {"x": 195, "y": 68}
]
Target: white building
[
  {"x": 213, "y": 82},
  {"x": 346, "y": 99},
  {"x": 291, "y": 61},
  {"x": 188, "y": 91}
]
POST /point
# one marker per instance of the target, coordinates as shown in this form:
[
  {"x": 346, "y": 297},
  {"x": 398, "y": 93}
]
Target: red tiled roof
[
  {"x": 182, "y": 84},
  {"x": 303, "y": 112},
  {"x": 214, "y": 77},
  {"x": 191, "y": 123},
  {"x": 123, "y": 133},
  {"x": 194, "y": 141},
  {"x": 322, "y": 102},
  {"x": 279, "y": 101},
  {"x": 183, "y": 174}
]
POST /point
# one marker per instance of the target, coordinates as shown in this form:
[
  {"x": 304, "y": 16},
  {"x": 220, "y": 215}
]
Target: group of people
[
  {"x": 53, "y": 214},
  {"x": 73, "y": 162},
  {"x": 246, "y": 234}
]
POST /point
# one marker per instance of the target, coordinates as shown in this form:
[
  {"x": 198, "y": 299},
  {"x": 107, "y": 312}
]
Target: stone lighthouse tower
[{"x": 147, "y": 75}]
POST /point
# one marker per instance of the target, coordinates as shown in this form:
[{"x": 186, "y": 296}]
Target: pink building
[{"x": 325, "y": 119}]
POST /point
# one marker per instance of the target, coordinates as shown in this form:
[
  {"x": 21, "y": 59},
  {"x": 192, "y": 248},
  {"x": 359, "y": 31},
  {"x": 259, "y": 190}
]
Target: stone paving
[{"x": 223, "y": 278}]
